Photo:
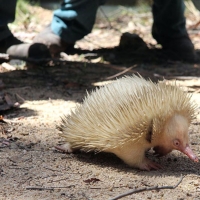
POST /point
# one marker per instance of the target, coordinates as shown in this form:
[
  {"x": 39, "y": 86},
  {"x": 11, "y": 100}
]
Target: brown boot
[{"x": 54, "y": 43}]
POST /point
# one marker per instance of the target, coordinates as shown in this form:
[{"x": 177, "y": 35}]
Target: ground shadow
[
  {"x": 178, "y": 164},
  {"x": 67, "y": 78}
]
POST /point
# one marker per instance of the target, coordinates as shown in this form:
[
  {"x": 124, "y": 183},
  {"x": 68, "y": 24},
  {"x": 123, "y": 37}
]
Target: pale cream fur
[{"x": 117, "y": 117}]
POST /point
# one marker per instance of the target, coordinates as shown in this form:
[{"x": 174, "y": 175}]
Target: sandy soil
[{"x": 31, "y": 168}]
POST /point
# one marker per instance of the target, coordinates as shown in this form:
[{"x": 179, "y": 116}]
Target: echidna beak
[{"x": 188, "y": 151}]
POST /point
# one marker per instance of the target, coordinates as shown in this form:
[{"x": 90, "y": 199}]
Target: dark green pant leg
[
  {"x": 7, "y": 15},
  {"x": 169, "y": 20},
  {"x": 75, "y": 19}
]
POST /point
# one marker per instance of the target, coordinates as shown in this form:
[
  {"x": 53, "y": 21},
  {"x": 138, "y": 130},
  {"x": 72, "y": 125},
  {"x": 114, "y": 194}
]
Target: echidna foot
[
  {"x": 65, "y": 148},
  {"x": 149, "y": 165}
]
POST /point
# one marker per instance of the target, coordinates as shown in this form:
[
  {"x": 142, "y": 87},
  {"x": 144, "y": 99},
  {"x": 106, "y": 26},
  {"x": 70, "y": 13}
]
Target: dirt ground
[{"x": 30, "y": 166}]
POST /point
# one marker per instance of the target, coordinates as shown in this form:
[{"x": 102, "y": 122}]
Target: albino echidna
[{"x": 130, "y": 116}]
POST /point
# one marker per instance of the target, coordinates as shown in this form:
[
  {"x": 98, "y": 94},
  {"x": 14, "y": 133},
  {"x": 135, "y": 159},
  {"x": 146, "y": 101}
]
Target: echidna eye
[{"x": 176, "y": 142}]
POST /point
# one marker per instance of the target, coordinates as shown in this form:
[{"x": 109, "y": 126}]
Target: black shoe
[{"x": 180, "y": 48}]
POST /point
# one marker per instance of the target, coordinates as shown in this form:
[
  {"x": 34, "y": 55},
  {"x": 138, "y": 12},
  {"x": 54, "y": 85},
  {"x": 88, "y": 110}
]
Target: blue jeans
[{"x": 75, "y": 18}]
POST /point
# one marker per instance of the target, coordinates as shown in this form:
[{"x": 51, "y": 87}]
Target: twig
[
  {"x": 54, "y": 170},
  {"x": 147, "y": 189},
  {"x": 104, "y": 14},
  {"x": 24, "y": 168},
  {"x": 48, "y": 188},
  {"x": 115, "y": 67},
  {"x": 24, "y": 181},
  {"x": 108, "y": 20},
  {"x": 38, "y": 188},
  {"x": 120, "y": 73},
  {"x": 178, "y": 77},
  {"x": 28, "y": 159},
  {"x": 18, "y": 97},
  {"x": 62, "y": 179}
]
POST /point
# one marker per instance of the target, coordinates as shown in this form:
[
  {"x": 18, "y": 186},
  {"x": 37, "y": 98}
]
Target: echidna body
[{"x": 130, "y": 116}]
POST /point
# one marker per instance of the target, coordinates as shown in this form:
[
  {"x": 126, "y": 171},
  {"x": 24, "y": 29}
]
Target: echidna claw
[
  {"x": 66, "y": 148},
  {"x": 150, "y": 165}
]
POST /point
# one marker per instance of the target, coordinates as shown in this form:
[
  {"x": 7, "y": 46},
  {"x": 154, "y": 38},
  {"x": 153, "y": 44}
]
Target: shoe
[
  {"x": 54, "y": 43},
  {"x": 180, "y": 48},
  {"x": 35, "y": 51},
  {"x": 17, "y": 49}
]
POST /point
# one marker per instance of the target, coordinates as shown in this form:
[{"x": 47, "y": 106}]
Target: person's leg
[
  {"x": 169, "y": 28},
  {"x": 75, "y": 19},
  {"x": 70, "y": 23},
  {"x": 169, "y": 20},
  {"x": 10, "y": 44},
  {"x": 7, "y": 15}
]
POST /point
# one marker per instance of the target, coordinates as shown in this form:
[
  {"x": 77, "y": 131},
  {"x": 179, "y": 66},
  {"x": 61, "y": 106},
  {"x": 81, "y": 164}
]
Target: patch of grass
[{"x": 24, "y": 13}]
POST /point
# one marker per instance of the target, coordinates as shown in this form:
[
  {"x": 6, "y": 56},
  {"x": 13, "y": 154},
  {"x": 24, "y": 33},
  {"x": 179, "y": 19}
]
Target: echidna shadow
[{"x": 172, "y": 164}]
